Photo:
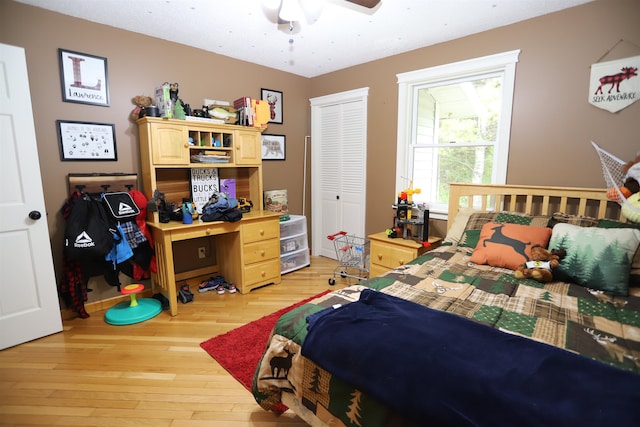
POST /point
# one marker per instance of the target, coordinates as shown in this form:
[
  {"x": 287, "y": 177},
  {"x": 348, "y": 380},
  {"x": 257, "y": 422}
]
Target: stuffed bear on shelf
[
  {"x": 541, "y": 265},
  {"x": 141, "y": 102}
]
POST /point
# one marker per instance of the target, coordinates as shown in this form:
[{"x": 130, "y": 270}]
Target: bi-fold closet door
[{"x": 338, "y": 167}]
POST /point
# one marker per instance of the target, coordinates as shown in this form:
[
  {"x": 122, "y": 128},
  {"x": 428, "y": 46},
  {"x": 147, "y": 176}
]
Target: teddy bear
[
  {"x": 140, "y": 102},
  {"x": 541, "y": 265},
  {"x": 631, "y": 184}
]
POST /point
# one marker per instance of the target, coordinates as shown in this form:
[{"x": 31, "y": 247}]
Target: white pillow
[{"x": 459, "y": 223}]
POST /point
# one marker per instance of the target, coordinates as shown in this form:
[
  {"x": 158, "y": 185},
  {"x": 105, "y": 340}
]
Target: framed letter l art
[{"x": 84, "y": 78}]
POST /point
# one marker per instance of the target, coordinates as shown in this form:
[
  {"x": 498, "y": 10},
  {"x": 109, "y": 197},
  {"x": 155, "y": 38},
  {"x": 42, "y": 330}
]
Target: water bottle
[{"x": 187, "y": 215}]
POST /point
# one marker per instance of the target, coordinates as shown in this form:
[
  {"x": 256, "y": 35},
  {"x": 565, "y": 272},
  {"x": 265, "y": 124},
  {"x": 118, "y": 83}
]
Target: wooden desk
[{"x": 247, "y": 251}]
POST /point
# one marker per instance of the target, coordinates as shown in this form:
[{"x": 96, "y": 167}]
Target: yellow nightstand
[{"x": 386, "y": 253}]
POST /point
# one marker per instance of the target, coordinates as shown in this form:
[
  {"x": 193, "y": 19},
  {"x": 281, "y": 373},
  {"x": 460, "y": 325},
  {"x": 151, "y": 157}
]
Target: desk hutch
[{"x": 247, "y": 251}]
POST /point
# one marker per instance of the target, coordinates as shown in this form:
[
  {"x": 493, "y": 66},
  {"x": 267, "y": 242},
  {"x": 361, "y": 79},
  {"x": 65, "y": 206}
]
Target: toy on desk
[{"x": 245, "y": 205}]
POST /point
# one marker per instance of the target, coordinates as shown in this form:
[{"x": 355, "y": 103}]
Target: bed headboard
[{"x": 533, "y": 200}]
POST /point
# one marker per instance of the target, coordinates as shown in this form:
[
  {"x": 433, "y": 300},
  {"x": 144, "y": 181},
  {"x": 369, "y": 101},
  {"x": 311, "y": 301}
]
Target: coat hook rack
[{"x": 97, "y": 183}]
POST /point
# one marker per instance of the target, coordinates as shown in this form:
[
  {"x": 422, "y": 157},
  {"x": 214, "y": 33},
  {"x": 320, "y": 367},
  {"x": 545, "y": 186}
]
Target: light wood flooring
[{"x": 149, "y": 374}]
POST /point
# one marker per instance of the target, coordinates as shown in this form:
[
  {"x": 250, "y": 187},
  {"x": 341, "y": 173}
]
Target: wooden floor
[{"x": 148, "y": 374}]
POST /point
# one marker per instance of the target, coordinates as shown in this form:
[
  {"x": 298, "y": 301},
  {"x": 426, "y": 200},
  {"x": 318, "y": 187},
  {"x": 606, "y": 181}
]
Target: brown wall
[
  {"x": 551, "y": 128},
  {"x": 136, "y": 64},
  {"x": 552, "y": 124}
]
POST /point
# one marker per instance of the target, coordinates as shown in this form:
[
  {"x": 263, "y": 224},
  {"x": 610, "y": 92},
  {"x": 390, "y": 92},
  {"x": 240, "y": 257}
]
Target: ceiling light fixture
[{"x": 290, "y": 11}]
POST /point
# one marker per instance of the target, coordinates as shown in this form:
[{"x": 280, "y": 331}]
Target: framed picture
[
  {"x": 83, "y": 78},
  {"x": 273, "y": 147},
  {"x": 274, "y": 99},
  {"x": 86, "y": 141}
]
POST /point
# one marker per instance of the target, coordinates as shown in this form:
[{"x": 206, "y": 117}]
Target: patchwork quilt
[{"x": 589, "y": 325}]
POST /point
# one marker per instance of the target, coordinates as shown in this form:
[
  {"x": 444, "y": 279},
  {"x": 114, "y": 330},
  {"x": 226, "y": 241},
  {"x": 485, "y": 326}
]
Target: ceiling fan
[
  {"x": 288, "y": 14},
  {"x": 287, "y": 11},
  {"x": 370, "y": 4}
]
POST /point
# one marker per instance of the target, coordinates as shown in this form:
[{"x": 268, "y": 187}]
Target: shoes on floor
[
  {"x": 212, "y": 283},
  {"x": 218, "y": 284},
  {"x": 184, "y": 294},
  {"x": 230, "y": 287},
  {"x": 226, "y": 287},
  {"x": 163, "y": 300}
]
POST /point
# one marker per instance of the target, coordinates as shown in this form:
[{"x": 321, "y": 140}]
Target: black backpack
[
  {"x": 88, "y": 232},
  {"x": 120, "y": 206}
]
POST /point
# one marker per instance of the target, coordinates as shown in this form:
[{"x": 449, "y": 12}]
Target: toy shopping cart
[{"x": 353, "y": 256}]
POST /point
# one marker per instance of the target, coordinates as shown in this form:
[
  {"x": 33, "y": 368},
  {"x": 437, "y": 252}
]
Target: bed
[{"x": 454, "y": 339}]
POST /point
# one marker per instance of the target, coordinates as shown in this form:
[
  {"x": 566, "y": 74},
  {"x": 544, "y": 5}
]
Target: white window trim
[{"x": 504, "y": 62}]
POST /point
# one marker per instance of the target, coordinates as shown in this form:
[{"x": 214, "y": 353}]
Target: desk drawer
[
  {"x": 262, "y": 272},
  {"x": 260, "y": 230},
  {"x": 391, "y": 256},
  {"x": 261, "y": 251}
]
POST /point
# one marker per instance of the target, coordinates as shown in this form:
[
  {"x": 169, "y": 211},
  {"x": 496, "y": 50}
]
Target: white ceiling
[{"x": 340, "y": 35}]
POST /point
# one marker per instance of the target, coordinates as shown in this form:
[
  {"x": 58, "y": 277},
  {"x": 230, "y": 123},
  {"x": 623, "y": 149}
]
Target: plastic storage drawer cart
[{"x": 294, "y": 248}]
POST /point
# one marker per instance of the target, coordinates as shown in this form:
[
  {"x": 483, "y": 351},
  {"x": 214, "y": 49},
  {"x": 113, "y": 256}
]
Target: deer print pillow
[{"x": 508, "y": 245}]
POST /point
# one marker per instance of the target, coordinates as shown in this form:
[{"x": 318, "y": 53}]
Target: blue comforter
[{"x": 441, "y": 369}]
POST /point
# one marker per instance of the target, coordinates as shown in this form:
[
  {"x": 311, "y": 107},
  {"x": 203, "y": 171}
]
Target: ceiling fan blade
[{"x": 370, "y": 4}]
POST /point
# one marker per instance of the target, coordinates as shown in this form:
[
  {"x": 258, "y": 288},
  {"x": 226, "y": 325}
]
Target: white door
[
  {"x": 29, "y": 307},
  {"x": 338, "y": 167}
]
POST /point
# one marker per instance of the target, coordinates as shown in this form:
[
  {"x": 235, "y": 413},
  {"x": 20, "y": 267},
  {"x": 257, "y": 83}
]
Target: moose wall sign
[{"x": 614, "y": 85}]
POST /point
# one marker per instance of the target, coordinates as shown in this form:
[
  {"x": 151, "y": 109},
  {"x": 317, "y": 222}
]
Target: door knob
[
  {"x": 35, "y": 215},
  {"x": 337, "y": 197}
]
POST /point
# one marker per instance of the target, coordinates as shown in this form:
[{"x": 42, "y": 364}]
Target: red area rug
[{"x": 239, "y": 350}]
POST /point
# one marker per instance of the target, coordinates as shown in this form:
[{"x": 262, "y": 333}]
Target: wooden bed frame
[{"x": 533, "y": 200}]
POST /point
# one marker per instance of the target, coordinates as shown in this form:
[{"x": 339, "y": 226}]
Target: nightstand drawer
[
  {"x": 261, "y": 251},
  {"x": 389, "y": 255},
  {"x": 260, "y": 230},
  {"x": 376, "y": 270}
]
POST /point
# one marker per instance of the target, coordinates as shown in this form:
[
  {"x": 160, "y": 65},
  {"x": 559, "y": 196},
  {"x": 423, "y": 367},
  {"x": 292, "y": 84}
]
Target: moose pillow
[{"x": 508, "y": 245}]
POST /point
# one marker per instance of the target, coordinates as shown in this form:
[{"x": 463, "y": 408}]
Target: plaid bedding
[{"x": 591, "y": 323}]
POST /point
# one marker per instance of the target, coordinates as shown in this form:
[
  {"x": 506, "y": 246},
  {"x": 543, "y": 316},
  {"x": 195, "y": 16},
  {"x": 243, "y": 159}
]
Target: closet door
[{"x": 338, "y": 167}]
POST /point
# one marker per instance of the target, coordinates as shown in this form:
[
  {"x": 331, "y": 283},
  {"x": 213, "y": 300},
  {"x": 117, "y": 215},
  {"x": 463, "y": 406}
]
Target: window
[{"x": 454, "y": 124}]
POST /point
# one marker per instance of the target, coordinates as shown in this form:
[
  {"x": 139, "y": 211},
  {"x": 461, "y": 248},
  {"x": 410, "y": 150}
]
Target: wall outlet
[{"x": 202, "y": 253}]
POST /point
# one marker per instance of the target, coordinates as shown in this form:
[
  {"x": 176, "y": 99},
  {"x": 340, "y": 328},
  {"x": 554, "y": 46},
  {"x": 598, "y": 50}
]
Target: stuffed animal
[
  {"x": 631, "y": 209},
  {"x": 541, "y": 265},
  {"x": 140, "y": 102},
  {"x": 631, "y": 183}
]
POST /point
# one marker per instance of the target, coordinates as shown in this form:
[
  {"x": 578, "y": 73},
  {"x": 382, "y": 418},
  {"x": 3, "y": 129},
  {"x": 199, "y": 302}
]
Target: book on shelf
[
  {"x": 243, "y": 105},
  {"x": 228, "y": 186},
  {"x": 277, "y": 201},
  {"x": 204, "y": 182}
]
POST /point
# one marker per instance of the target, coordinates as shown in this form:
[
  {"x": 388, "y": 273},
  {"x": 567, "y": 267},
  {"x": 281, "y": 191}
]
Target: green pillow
[
  {"x": 612, "y": 223},
  {"x": 469, "y": 239},
  {"x": 582, "y": 221},
  {"x": 471, "y": 234},
  {"x": 596, "y": 258}
]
